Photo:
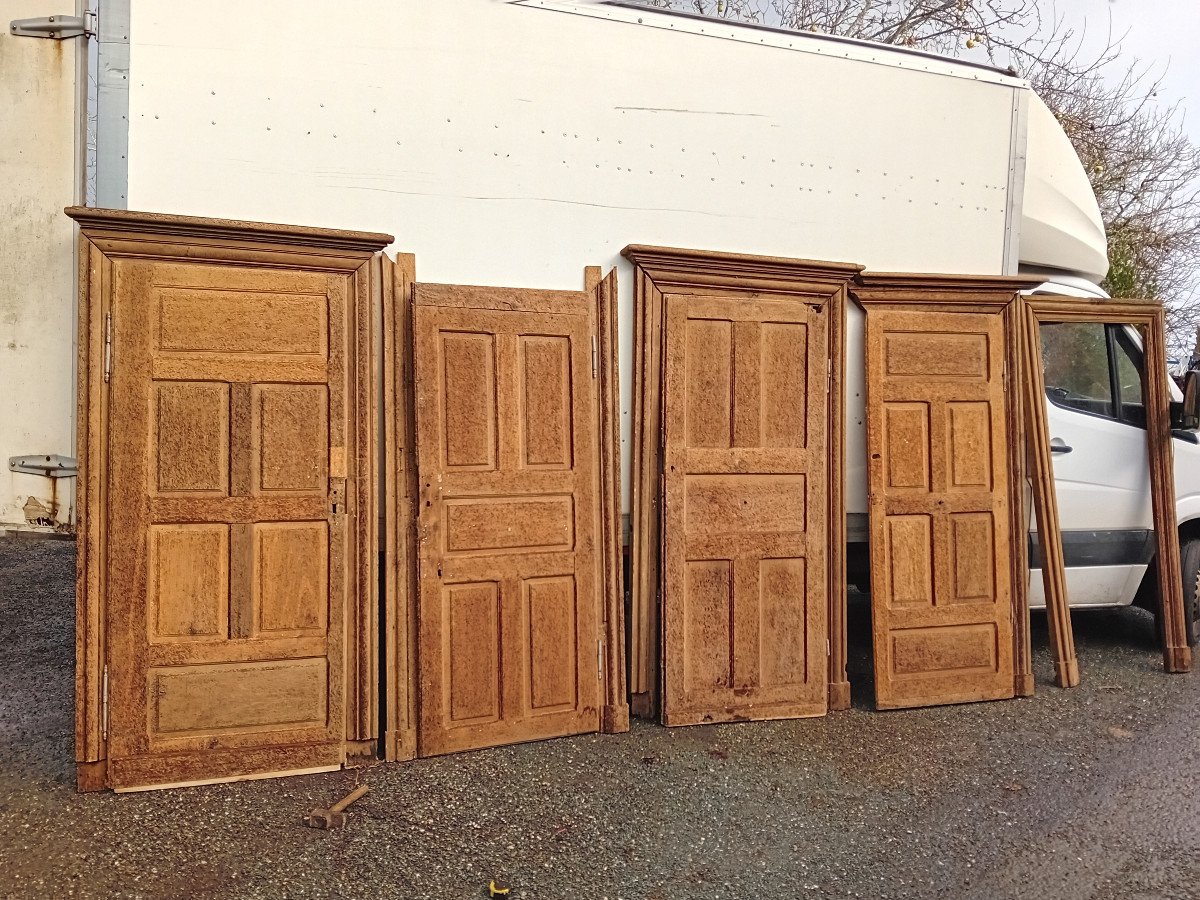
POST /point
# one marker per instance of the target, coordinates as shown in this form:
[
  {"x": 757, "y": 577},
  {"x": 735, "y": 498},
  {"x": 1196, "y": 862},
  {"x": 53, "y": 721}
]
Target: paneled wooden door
[
  {"x": 746, "y": 509},
  {"x": 227, "y": 523},
  {"x": 509, "y": 629},
  {"x": 941, "y": 554}
]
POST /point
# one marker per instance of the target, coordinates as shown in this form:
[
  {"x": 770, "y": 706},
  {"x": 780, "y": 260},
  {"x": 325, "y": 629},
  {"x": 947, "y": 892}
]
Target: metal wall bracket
[
  {"x": 55, "y": 27},
  {"x": 51, "y": 466}
]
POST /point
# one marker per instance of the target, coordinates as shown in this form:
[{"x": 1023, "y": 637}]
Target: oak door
[
  {"x": 939, "y": 504},
  {"x": 509, "y": 639},
  {"x": 746, "y": 499},
  {"x": 227, "y": 528}
]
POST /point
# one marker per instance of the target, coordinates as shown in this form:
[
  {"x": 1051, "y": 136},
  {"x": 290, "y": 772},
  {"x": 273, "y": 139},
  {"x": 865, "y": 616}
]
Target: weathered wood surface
[
  {"x": 945, "y": 476},
  {"x": 400, "y": 498},
  {"x": 218, "y": 578},
  {"x": 746, "y": 509},
  {"x": 615, "y": 712},
  {"x": 511, "y": 585},
  {"x": 661, "y": 271},
  {"x": 1045, "y": 504}
]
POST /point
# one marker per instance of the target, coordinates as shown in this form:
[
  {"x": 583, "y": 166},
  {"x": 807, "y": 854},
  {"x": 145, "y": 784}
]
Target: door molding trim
[
  {"x": 661, "y": 270},
  {"x": 107, "y": 235}
]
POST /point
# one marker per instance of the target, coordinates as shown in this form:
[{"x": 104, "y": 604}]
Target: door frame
[
  {"x": 1147, "y": 316},
  {"x": 922, "y": 292},
  {"x": 108, "y": 235},
  {"x": 665, "y": 270}
]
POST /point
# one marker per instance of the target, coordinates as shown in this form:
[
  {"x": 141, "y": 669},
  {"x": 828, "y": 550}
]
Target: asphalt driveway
[{"x": 1093, "y": 792}]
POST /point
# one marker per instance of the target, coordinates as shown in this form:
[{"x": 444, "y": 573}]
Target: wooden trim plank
[
  {"x": 614, "y": 717},
  {"x": 399, "y": 537},
  {"x": 839, "y": 681},
  {"x": 1045, "y": 504}
]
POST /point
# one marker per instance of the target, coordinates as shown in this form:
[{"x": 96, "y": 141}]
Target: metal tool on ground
[{"x": 335, "y": 816}]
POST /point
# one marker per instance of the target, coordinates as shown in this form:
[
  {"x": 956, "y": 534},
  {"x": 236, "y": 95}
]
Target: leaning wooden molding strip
[
  {"x": 400, "y": 493},
  {"x": 698, "y": 278},
  {"x": 226, "y": 426},
  {"x": 614, "y": 716},
  {"x": 1147, "y": 317},
  {"x": 945, "y": 475},
  {"x": 1045, "y": 503}
]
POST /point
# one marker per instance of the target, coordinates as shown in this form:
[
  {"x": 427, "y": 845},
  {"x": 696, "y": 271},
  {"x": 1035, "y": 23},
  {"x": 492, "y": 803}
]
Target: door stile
[{"x": 399, "y": 541}]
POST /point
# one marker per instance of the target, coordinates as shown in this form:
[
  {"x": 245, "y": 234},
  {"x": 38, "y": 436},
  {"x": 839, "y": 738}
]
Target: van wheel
[{"x": 1189, "y": 558}]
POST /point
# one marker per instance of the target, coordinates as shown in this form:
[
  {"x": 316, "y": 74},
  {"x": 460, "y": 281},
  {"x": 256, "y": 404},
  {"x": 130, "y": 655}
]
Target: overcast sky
[{"x": 1162, "y": 33}]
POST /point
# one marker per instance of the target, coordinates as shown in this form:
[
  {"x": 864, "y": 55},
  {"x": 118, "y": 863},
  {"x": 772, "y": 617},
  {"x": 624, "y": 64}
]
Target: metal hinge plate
[
  {"x": 595, "y": 357},
  {"x": 107, "y": 347},
  {"x": 56, "y": 28},
  {"x": 600, "y": 660},
  {"x": 104, "y": 704},
  {"x": 49, "y": 464}
]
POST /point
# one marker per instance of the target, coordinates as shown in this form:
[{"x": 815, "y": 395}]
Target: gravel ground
[{"x": 1071, "y": 794}]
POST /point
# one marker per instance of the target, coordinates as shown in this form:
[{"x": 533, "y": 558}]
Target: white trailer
[{"x": 509, "y": 142}]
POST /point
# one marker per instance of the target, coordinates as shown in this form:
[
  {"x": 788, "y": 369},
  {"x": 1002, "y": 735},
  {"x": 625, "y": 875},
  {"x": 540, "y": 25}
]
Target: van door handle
[{"x": 1058, "y": 445}]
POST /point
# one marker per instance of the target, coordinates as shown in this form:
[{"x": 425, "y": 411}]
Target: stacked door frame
[{"x": 662, "y": 270}]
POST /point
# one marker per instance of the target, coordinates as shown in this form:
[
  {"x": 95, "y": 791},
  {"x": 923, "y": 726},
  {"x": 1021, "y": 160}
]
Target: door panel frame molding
[
  {"x": 667, "y": 270},
  {"x": 109, "y": 235},
  {"x": 923, "y": 292},
  {"x": 1147, "y": 317}
]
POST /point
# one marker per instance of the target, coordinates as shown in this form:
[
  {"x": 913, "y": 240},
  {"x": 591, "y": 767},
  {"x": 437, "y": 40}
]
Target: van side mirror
[{"x": 1189, "y": 413}]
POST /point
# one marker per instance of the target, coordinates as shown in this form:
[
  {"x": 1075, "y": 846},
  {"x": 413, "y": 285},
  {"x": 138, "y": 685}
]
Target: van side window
[
  {"x": 1093, "y": 368},
  {"x": 1130, "y": 407},
  {"x": 1075, "y": 359}
]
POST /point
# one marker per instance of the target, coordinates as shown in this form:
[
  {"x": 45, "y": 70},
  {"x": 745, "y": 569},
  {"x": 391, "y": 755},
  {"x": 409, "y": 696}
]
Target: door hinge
[
  {"x": 57, "y": 27},
  {"x": 107, "y": 346},
  {"x": 104, "y": 704},
  {"x": 828, "y": 375},
  {"x": 1004, "y": 374},
  {"x": 595, "y": 357},
  {"x": 600, "y": 660},
  {"x": 49, "y": 465}
]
